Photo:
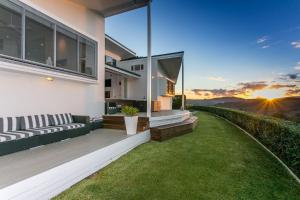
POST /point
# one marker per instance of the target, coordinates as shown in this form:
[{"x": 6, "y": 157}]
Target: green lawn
[{"x": 216, "y": 161}]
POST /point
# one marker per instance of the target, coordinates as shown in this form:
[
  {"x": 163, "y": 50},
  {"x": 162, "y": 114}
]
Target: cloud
[
  {"x": 262, "y": 39},
  {"x": 243, "y": 90},
  {"x": 290, "y": 77},
  {"x": 293, "y": 92},
  {"x": 279, "y": 86},
  {"x": 265, "y": 46},
  {"x": 215, "y": 78},
  {"x": 296, "y": 44},
  {"x": 297, "y": 67},
  {"x": 253, "y": 86}
]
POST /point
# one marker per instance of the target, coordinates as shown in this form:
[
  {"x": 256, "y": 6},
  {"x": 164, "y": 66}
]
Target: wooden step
[{"x": 165, "y": 132}]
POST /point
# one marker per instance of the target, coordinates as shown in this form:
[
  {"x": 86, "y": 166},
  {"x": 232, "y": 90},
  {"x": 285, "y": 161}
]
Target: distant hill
[
  {"x": 212, "y": 102},
  {"x": 286, "y": 108}
]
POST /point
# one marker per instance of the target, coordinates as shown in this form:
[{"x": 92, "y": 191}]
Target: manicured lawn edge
[
  {"x": 281, "y": 137},
  {"x": 263, "y": 146}
]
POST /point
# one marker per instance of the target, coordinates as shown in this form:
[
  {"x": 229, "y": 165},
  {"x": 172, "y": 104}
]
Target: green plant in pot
[{"x": 131, "y": 119}]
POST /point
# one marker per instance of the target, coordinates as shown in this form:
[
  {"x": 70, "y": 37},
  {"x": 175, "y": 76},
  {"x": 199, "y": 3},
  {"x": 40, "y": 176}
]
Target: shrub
[
  {"x": 130, "y": 111},
  {"x": 279, "y": 136}
]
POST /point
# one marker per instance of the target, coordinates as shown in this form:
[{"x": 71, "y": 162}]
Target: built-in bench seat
[{"x": 20, "y": 133}]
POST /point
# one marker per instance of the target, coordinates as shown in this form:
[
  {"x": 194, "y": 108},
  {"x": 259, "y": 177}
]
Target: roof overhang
[
  {"x": 120, "y": 71},
  {"x": 108, "y": 8},
  {"x": 117, "y": 48},
  {"x": 171, "y": 64}
]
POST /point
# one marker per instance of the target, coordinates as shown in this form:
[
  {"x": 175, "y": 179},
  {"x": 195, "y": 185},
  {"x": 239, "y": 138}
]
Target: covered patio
[{"x": 45, "y": 171}]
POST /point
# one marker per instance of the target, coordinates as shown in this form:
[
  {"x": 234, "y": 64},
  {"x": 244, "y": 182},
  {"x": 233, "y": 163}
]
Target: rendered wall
[{"x": 24, "y": 93}]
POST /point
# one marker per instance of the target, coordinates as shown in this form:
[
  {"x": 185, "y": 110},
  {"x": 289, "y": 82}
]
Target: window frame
[{"x": 25, "y": 8}]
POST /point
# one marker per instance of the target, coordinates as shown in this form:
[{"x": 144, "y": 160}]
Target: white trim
[
  {"x": 50, "y": 183},
  {"x": 169, "y": 119},
  {"x": 116, "y": 70},
  {"x": 264, "y": 147},
  {"x": 7, "y": 66}
]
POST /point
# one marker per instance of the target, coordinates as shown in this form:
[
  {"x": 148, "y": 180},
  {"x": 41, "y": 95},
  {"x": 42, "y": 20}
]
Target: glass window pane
[
  {"x": 66, "y": 49},
  {"x": 10, "y": 29},
  {"x": 87, "y": 52},
  {"x": 39, "y": 39}
]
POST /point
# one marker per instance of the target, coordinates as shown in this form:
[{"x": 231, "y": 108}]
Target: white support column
[
  {"x": 149, "y": 68},
  {"x": 182, "y": 76}
]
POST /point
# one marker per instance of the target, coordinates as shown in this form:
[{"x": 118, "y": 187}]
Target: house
[
  {"x": 52, "y": 60},
  {"x": 126, "y": 75}
]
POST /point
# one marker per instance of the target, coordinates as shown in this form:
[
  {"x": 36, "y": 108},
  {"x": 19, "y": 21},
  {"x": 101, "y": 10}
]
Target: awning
[
  {"x": 123, "y": 72},
  {"x": 108, "y": 8},
  {"x": 171, "y": 64}
]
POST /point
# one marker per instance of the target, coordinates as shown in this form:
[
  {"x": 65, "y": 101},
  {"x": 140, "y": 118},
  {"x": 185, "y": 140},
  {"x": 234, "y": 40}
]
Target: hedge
[{"x": 279, "y": 136}]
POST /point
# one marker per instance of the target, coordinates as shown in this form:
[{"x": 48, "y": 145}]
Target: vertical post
[
  {"x": 23, "y": 56},
  {"x": 149, "y": 68},
  {"x": 182, "y": 76}
]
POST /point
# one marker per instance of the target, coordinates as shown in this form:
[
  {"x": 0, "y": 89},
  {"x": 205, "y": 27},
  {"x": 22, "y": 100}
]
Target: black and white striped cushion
[
  {"x": 72, "y": 126},
  {"x": 46, "y": 130},
  {"x": 34, "y": 121},
  {"x": 60, "y": 119},
  {"x": 15, "y": 135},
  {"x": 9, "y": 124}
]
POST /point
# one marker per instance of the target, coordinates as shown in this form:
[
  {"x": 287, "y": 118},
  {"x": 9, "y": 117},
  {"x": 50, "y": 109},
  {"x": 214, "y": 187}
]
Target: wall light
[{"x": 50, "y": 79}]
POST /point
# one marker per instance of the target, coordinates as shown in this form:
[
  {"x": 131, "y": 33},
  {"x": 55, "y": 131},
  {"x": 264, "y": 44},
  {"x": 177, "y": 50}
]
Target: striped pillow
[
  {"x": 34, "y": 121},
  {"x": 60, "y": 119},
  {"x": 9, "y": 124}
]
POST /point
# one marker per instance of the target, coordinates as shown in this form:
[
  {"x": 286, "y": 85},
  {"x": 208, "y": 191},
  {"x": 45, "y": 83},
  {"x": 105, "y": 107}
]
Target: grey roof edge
[
  {"x": 165, "y": 54},
  {"x": 120, "y": 44},
  {"x": 124, "y": 70}
]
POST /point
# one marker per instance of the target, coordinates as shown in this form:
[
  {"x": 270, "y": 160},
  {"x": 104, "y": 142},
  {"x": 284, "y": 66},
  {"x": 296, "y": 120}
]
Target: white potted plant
[{"x": 131, "y": 119}]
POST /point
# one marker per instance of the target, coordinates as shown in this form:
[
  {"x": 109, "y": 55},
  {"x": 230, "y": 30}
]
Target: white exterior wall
[
  {"x": 27, "y": 93},
  {"x": 137, "y": 88}
]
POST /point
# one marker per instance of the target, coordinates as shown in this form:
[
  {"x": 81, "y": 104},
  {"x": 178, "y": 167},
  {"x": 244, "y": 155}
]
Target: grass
[{"x": 216, "y": 161}]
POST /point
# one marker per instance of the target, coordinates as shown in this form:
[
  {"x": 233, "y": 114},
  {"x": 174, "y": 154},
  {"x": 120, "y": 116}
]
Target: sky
[{"x": 241, "y": 48}]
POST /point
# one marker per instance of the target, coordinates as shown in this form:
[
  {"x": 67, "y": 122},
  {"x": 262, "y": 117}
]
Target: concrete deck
[{"x": 21, "y": 165}]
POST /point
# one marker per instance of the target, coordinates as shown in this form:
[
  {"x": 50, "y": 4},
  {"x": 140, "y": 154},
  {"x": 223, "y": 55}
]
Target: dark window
[
  {"x": 39, "y": 39},
  {"x": 87, "y": 57},
  {"x": 142, "y": 67},
  {"x": 1, "y": 44},
  {"x": 10, "y": 29},
  {"x": 131, "y": 68},
  {"x": 107, "y": 94},
  {"x": 110, "y": 61},
  {"x": 66, "y": 49},
  {"x": 108, "y": 83},
  {"x": 137, "y": 67}
]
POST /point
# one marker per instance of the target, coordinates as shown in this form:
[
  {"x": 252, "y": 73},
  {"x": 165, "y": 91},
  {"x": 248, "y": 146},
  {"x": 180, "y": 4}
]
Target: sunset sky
[{"x": 247, "y": 49}]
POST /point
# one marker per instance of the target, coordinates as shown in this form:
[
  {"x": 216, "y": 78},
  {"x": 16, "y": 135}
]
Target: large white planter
[{"x": 131, "y": 124}]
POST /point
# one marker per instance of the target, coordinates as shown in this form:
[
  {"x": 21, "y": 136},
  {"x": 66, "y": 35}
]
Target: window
[
  {"x": 29, "y": 36},
  {"x": 66, "y": 49},
  {"x": 10, "y": 29},
  {"x": 110, "y": 61},
  {"x": 137, "y": 67},
  {"x": 87, "y": 57},
  {"x": 39, "y": 39},
  {"x": 108, "y": 83},
  {"x": 1, "y": 44},
  {"x": 170, "y": 88}
]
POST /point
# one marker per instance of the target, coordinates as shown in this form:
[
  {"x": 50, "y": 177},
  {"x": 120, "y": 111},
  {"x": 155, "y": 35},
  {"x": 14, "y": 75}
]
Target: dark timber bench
[{"x": 165, "y": 132}]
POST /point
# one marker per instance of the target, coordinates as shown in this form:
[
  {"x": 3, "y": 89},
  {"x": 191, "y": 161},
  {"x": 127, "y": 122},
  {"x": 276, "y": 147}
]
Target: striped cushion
[
  {"x": 60, "y": 119},
  {"x": 46, "y": 130},
  {"x": 15, "y": 135},
  {"x": 72, "y": 126},
  {"x": 9, "y": 124},
  {"x": 34, "y": 121}
]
